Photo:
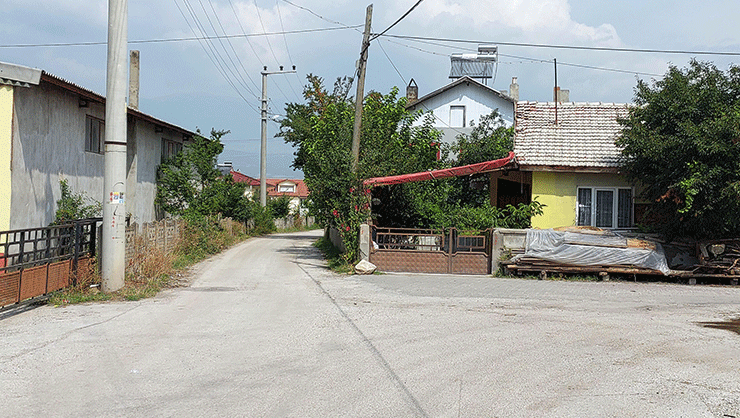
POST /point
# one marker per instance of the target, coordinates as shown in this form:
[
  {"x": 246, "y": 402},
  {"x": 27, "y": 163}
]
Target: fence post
[
  {"x": 76, "y": 243},
  {"x": 93, "y": 238}
]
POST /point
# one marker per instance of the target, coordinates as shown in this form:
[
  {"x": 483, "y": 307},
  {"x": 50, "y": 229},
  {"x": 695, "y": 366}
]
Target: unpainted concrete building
[{"x": 52, "y": 129}]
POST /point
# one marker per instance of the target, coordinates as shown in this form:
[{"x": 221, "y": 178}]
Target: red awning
[{"x": 466, "y": 170}]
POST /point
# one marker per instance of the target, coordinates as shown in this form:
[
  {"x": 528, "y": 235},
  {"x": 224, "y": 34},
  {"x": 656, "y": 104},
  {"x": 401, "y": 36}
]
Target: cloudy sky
[{"x": 216, "y": 84}]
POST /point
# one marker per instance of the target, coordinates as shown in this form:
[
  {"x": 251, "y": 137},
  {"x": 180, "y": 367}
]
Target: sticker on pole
[{"x": 116, "y": 198}]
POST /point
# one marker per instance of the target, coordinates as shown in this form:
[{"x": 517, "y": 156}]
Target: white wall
[{"x": 477, "y": 101}]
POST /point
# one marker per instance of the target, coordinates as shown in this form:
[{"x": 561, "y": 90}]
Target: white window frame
[
  {"x": 286, "y": 188},
  {"x": 615, "y": 206},
  {"x": 462, "y": 122}
]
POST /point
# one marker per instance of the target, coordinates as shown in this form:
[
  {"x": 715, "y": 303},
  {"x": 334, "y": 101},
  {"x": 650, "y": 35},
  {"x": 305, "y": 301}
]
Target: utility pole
[
  {"x": 114, "y": 178},
  {"x": 263, "y": 139},
  {"x": 360, "y": 96}
]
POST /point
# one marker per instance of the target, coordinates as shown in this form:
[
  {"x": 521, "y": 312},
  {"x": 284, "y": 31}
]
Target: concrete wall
[
  {"x": 558, "y": 190},
  {"x": 49, "y": 145},
  {"x": 6, "y": 138}
]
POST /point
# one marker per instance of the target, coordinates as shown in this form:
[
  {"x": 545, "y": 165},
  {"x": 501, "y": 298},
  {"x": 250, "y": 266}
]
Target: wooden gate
[{"x": 431, "y": 251}]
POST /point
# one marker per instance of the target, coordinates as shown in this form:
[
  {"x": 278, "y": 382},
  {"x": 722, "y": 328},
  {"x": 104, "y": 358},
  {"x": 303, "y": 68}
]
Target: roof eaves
[{"x": 455, "y": 84}]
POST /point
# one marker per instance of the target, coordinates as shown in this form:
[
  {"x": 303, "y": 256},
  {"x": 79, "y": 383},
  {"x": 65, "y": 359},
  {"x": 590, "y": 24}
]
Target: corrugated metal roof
[{"x": 583, "y": 137}]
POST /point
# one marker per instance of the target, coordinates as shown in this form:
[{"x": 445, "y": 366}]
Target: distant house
[
  {"x": 568, "y": 157},
  {"x": 458, "y": 106},
  {"x": 296, "y": 190},
  {"x": 52, "y": 129}
]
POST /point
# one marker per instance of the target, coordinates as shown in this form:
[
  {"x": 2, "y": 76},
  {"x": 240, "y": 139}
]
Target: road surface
[{"x": 266, "y": 331}]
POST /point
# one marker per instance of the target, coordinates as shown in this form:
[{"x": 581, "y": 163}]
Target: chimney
[
  {"x": 412, "y": 92},
  {"x": 133, "y": 83},
  {"x": 514, "y": 89},
  {"x": 559, "y": 95}
]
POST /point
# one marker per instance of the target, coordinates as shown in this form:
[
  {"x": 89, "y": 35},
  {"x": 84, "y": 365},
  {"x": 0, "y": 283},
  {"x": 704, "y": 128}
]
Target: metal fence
[
  {"x": 36, "y": 261},
  {"x": 431, "y": 250}
]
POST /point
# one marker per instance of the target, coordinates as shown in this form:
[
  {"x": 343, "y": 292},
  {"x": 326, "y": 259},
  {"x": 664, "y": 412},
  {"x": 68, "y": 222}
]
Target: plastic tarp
[{"x": 584, "y": 249}]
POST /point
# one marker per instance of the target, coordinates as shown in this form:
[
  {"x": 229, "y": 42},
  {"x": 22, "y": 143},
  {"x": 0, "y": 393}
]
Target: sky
[{"x": 216, "y": 83}]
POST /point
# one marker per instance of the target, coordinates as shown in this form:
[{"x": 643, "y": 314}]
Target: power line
[
  {"x": 322, "y": 17},
  {"x": 184, "y": 39},
  {"x": 534, "y": 60},
  {"x": 272, "y": 51},
  {"x": 397, "y": 21},
  {"x": 213, "y": 58},
  {"x": 228, "y": 40},
  {"x": 287, "y": 50},
  {"x": 235, "y": 71},
  {"x": 575, "y": 47},
  {"x": 391, "y": 61}
]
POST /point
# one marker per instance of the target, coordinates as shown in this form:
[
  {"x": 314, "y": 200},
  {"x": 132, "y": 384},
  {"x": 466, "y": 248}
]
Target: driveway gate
[{"x": 431, "y": 251}]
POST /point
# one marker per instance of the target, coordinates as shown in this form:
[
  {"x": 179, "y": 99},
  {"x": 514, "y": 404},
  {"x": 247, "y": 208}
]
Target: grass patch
[
  {"x": 333, "y": 256},
  {"x": 152, "y": 269}
]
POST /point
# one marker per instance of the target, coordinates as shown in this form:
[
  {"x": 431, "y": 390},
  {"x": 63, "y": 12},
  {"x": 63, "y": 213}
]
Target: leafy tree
[
  {"x": 190, "y": 185},
  {"x": 72, "y": 206},
  {"x": 489, "y": 140},
  {"x": 321, "y": 131},
  {"x": 279, "y": 206},
  {"x": 681, "y": 141}
]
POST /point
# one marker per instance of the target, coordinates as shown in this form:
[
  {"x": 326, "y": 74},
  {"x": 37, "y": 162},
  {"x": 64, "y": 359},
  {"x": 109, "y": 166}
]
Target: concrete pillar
[
  {"x": 365, "y": 242},
  {"x": 133, "y": 83}
]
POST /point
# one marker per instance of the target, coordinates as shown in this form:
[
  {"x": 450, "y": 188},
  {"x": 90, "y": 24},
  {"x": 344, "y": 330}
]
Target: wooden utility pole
[{"x": 360, "y": 96}]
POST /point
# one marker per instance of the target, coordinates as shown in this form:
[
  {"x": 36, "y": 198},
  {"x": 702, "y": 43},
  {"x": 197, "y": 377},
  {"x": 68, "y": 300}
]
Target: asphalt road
[{"x": 266, "y": 331}]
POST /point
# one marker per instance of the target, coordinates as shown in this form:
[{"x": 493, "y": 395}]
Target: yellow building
[{"x": 567, "y": 160}]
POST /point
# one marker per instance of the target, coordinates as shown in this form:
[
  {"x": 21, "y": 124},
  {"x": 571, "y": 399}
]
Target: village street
[{"x": 265, "y": 330}]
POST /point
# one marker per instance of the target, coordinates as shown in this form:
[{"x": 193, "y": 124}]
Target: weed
[{"x": 333, "y": 256}]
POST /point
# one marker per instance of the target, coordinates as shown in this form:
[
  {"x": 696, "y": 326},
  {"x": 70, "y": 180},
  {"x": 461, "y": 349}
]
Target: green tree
[
  {"x": 279, "y": 206},
  {"x": 681, "y": 141},
  {"x": 489, "y": 140},
  {"x": 321, "y": 131},
  {"x": 189, "y": 184}
]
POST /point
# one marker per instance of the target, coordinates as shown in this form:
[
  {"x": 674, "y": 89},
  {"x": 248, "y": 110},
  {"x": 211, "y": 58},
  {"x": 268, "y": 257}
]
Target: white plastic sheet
[{"x": 583, "y": 249}]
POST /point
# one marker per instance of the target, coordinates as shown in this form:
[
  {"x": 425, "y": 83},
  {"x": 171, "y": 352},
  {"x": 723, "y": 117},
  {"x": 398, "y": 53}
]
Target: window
[
  {"x": 604, "y": 207},
  {"x": 94, "y": 135},
  {"x": 170, "y": 148},
  {"x": 286, "y": 188},
  {"x": 457, "y": 116}
]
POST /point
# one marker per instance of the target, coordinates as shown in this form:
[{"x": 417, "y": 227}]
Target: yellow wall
[
  {"x": 6, "y": 140},
  {"x": 557, "y": 190}
]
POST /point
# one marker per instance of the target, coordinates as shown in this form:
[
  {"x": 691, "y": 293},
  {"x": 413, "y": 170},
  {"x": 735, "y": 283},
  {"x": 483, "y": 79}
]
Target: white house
[
  {"x": 459, "y": 105},
  {"x": 52, "y": 129}
]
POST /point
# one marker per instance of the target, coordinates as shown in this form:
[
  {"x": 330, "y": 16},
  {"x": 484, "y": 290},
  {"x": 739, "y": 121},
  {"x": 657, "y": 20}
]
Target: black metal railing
[{"x": 23, "y": 248}]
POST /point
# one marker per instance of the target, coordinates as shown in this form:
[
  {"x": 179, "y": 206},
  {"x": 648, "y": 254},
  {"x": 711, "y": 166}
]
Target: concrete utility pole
[
  {"x": 263, "y": 139},
  {"x": 360, "y": 96},
  {"x": 114, "y": 180}
]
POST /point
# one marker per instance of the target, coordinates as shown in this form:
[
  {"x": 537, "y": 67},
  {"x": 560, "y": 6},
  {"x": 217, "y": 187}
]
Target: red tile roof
[
  {"x": 241, "y": 178},
  {"x": 301, "y": 190}
]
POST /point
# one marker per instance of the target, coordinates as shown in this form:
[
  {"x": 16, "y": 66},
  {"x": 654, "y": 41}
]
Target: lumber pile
[{"x": 719, "y": 256}]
